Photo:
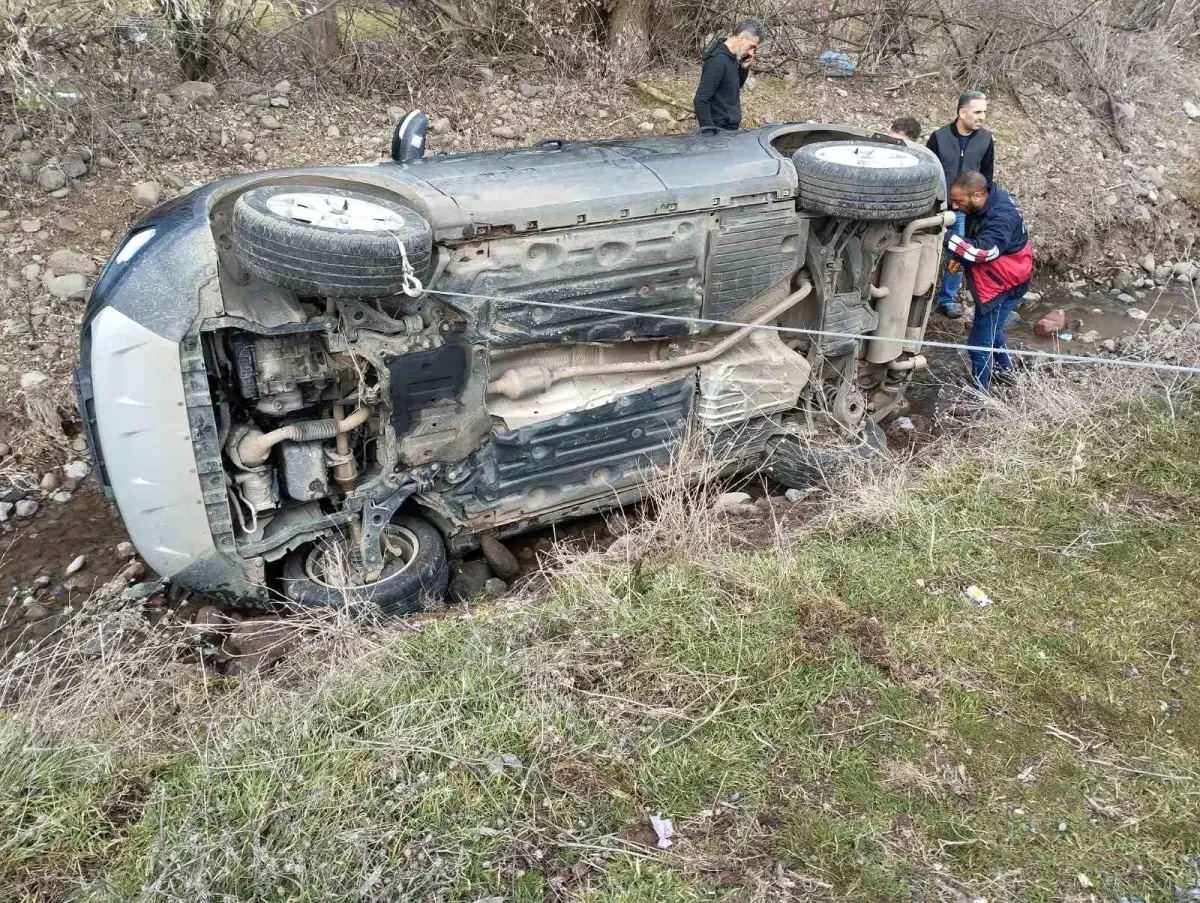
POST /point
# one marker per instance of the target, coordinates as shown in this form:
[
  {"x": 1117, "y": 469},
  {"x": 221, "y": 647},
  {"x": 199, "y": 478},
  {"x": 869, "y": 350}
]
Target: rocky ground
[{"x": 1117, "y": 230}]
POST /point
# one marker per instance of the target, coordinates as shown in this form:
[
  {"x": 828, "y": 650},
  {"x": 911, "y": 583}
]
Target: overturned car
[{"x": 320, "y": 384}]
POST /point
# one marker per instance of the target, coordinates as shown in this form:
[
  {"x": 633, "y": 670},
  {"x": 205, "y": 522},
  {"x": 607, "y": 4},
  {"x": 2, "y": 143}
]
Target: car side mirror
[{"x": 408, "y": 138}]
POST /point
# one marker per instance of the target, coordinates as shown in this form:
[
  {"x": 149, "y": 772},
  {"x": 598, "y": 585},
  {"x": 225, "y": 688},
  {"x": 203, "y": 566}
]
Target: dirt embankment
[{"x": 1118, "y": 224}]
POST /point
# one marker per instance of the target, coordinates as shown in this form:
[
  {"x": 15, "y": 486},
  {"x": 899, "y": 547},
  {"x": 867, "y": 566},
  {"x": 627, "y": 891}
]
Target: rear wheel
[
  {"x": 858, "y": 180},
  {"x": 799, "y": 464},
  {"x": 415, "y": 571}
]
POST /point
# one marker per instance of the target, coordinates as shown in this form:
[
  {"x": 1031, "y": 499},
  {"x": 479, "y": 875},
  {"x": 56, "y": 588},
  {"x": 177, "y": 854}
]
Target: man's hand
[
  {"x": 748, "y": 59},
  {"x": 953, "y": 266}
]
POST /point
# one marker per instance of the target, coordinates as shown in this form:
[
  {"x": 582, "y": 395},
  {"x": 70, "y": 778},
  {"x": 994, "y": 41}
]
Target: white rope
[
  {"x": 824, "y": 333},
  {"x": 412, "y": 285}
]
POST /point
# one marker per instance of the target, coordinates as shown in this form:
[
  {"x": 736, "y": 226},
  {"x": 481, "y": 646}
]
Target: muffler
[{"x": 906, "y": 271}]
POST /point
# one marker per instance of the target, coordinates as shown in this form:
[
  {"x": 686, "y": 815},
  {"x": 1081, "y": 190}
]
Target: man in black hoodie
[{"x": 725, "y": 67}]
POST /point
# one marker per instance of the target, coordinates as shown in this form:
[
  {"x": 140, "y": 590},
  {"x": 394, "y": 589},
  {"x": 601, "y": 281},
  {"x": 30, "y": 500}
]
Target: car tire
[
  {"x": 403, "y": 591},
  {"x": 796, "y": 464},
  {"x": 329, "y": 242},
  {"x": 859, "y": 180}
]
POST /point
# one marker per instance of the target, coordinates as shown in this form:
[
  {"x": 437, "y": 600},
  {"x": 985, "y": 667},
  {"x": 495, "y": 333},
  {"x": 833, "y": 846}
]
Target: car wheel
[
  {"x": 857, "y": 180},
  {"x": 329, "y": 242},
  {"x": 416, "y": 571},
  {"x": 798, "y": 464}
]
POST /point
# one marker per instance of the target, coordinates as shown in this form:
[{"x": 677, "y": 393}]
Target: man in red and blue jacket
[{"x": 998, "y": 259}]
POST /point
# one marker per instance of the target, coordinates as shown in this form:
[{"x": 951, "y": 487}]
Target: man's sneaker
[{"x": 952, "y": 311}]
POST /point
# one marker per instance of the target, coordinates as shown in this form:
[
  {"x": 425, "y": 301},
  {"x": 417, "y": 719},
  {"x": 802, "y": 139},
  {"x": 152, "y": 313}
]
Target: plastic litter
[
  {"x": 978, "y": 596},
  {"x": 664, "y": 828},
  {"x": 835, "y": 64}
]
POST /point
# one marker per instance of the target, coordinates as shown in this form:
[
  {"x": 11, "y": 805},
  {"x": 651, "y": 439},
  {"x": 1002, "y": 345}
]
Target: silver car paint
[{"x": 142, "y": 421}]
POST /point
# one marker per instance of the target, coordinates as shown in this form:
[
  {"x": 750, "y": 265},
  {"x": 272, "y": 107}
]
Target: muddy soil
[{"x": 46, "y": 544}]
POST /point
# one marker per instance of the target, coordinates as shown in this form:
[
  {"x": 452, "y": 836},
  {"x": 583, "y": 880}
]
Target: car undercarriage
[{"x": 378, "y": 365}]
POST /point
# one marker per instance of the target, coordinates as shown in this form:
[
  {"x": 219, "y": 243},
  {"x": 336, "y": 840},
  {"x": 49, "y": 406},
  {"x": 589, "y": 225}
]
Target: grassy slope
[{"x": 831, "y": 720}]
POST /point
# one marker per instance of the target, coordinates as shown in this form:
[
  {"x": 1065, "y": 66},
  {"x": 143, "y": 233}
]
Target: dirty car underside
[{"x": 295, "y": 374}]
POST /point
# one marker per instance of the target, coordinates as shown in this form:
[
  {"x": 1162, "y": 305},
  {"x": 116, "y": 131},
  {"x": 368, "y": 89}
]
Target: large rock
[
  {"x": 75, "y": 167},
  {"x": 502, "y": 561},
  {"x": 64, "y": 263},
  {"x": 67, "y": 288},
  {"x": 1193, "y": 111},
  {"x": 194, "y": 92},
  {"x": 51, "y": 178},
  {"x": 468, "y": 579},
  {"x": 732, "y": 502},
  {"x": 1154, "y": 177},
  {"x": 26, "y": 508},
  {"x": 31, "y": 158},
  {"x": 1052, "y": 323},
  {"x": 76, "y": 470},
  {"x": 270, "y": 122},
  {"x": 146, "y": 194},
  {"x": 258, "y": 642},
  {"x": 506, "y": 132}
]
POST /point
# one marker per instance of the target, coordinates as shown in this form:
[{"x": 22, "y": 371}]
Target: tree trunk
[
  {"x": 629, "y": 32},
  {"x": 322, "y": 32}
]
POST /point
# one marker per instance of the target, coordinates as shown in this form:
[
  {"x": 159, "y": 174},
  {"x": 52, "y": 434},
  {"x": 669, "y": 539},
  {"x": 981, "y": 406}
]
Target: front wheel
[
  {"x": 415, "y": 571},
  {"x": 797, "y": 463}
]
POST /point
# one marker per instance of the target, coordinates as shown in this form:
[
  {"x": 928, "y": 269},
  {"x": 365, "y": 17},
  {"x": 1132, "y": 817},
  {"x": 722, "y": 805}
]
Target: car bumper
[{"x": 140, "y": 420}]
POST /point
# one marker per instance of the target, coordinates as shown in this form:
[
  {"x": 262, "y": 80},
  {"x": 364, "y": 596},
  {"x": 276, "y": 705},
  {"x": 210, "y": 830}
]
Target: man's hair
[
  {"x": 751, "y": 27},
  {"x": 907, "y": 126},
  {"x": 971, "y": 182},
  {"x": 967, "y": 96}
]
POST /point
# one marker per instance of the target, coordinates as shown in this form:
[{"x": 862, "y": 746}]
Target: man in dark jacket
[
  {"x": 963, "y": 146},
  {"x": 998, "y": 259},
  {"x": 725, "y": 67}
]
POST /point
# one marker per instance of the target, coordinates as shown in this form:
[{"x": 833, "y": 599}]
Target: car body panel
[{"x": 142, "y": 425}]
